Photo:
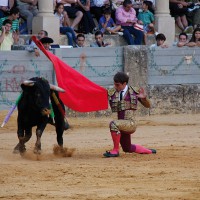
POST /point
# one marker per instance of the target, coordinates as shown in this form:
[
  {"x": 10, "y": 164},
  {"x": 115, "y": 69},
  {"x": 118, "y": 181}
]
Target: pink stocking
[
  {"x": 116, "y": 140},
  {"x": 142, "y": 150}
]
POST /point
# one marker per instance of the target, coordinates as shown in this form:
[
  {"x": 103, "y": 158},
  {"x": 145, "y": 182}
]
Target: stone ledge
[{"x": 115, "y": 40}]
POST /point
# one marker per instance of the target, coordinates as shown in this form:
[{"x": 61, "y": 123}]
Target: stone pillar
[
  {"x": 45, "y": 20},
  {"x": 164, "y": 23},
  {"x": 136, "y": 66}
]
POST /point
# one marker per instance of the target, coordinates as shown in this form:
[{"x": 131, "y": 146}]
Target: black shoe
[
  {"x": 153, "y": 151},
  {"x": 108, "y": 154}
]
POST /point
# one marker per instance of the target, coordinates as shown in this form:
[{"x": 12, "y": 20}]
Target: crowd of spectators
[{"x": 128, "y": 18}]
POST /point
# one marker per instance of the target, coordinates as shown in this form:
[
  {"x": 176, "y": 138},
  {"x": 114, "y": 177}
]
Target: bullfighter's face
[{"x": 120, "y": 86}]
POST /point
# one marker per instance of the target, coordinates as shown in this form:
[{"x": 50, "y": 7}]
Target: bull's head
[{"x": 38, "y": 90}]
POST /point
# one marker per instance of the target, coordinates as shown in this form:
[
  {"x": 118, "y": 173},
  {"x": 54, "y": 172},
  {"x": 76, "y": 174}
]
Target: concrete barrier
[{"x": 170, "y": 76}]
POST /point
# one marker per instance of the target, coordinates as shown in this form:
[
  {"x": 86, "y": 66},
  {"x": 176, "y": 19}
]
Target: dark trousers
[
  {"x": 129, "y": 31},
  {"x": 87, "y": 22}
]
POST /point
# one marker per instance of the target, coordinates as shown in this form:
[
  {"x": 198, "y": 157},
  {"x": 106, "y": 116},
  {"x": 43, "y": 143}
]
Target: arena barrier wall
[{"x": 171, "y": 76}]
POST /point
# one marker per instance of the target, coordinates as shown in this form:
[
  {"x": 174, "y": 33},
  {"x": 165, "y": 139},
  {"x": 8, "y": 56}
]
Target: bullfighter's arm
[{"x": 142, "y": 97}]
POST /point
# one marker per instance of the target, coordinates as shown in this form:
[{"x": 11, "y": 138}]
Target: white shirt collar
[{"x": 124, "y": 91}]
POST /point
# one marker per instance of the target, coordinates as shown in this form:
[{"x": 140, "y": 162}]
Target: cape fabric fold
[{"x": 81, "y": 94}]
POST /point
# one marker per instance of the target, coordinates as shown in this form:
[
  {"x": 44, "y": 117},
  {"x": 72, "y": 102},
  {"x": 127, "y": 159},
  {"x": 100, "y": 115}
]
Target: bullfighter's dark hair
[{"x": 121, "y": 77}]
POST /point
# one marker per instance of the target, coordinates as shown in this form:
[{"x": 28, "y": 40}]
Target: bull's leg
[
  {"x": 37, "y": 149},
  {"x": 59, "y": 132},
  {"x": 20, "y": 147}
]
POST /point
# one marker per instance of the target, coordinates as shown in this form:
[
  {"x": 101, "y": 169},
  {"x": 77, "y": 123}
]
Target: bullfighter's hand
[{"x": 142, "y": 94}]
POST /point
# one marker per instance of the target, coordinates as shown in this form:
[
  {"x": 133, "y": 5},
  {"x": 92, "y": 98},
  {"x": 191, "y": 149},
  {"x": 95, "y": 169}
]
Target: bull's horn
[
  {"x": 56, "y": 88},
  {"x": 28, "y": 83}
]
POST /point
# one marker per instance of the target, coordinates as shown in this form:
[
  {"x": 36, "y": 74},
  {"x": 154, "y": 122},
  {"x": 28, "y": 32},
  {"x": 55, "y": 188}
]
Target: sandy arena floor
[{"x": 172, "y": 174}]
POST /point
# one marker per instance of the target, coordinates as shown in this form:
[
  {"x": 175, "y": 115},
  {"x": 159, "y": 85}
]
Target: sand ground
[{"x": 172, "y": 174}]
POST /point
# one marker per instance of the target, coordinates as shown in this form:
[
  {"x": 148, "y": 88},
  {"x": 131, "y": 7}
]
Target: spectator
[
  {"x": 99, "y": 40},
  {"x": 14, "y": 15},
  {"x": 65, "y": 24},
  {"x": 107, "y": 24},
  {"x": 126, "y": 17},
  {"x": 137, "y": 5},
  {"x": 7, "y": 38},
  {"x": 80, "y": 40},
  {"x": 193, "y": 14},
  {"x": 160, "y": 39},
  {"x": 46, "y": 41},
  {"x": 97, "y": 7},
  {"x": 146, "y": 18},
  {"x": 32, "y": 46},
  {"x": 178, "y": 10},
  {"x": 28, "y": 9},
  {"x": 182, "y": 40},
  {"x": 195, "y": 40},
  {"x": 87, "y": 23},
  {"x": 5, "y": 6},
  {"x": 72, "y": 11}
]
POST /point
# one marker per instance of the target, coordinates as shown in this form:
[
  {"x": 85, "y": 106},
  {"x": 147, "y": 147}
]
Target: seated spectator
[
  {"x": 99, "y": 40},
  {"x": 193, "y": 14},
  {"x": 7, "y": 38},
  {"x": 87, "y": 24},
  {"x": 28, "y": 9},
  {"x": 137, "y": 5},
  {"x": 72, "y": 12},
  {"x": 65, "y": 24},
  {"x": 182, "y": 40},
  {"x": 146, "y": 18},
  {"x": 107, "y": 25},
  {"x": 160, "y": 39},
  {"x": 153, "y": 6},
  {"x": 46, "y": 41},
  {"x": 97, "y": 7},
  {"x": 14, "y": 15},
  {"x": 178, "y": 10},
  {"x": 32, "y": 46},
  {"x": 195, "y": 40},
  {"x": 5, "y": 6},
  {"x": 126, "y": 17},
  {"x": 80, "y": 40}
]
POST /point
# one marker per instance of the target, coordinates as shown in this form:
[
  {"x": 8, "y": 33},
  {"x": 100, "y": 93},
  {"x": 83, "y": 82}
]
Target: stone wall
[{"x": 171, "y": 81}]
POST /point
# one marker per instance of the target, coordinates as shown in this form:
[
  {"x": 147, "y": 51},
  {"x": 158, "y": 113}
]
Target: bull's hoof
[
  {"x": 19, "y": 148},
  {"x": 16, "y": 149},
  {"x": 22, "y": 148},
  {"x": 37, "y": 149}
]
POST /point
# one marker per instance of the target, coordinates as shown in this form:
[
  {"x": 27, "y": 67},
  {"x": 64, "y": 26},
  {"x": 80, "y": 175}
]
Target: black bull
[{"x": 34, "y": 110}]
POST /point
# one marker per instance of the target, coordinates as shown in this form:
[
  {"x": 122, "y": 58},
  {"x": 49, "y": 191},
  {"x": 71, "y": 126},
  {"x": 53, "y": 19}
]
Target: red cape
[{"x": 81, "y": 94}]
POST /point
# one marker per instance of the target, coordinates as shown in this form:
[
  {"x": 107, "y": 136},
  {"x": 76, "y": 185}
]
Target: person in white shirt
[
  {"x": 72, "y": 12},
  {"x": 5, "y": 6}
]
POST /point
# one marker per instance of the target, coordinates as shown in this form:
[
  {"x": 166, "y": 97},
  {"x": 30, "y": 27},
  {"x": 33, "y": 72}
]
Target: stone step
[{"x": 115, "y": 40}]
